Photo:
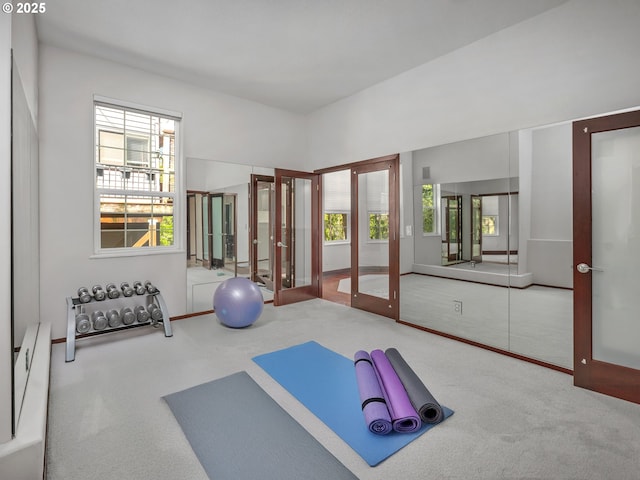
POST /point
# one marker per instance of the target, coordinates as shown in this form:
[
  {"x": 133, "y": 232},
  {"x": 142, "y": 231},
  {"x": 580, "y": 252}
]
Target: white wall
[
  {"x": 214, "y": 126},
  {"x": 576, "y": 60}
]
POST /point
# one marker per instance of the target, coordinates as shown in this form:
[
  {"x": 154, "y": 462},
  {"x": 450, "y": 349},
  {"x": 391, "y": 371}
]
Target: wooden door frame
[
  {"x": 253, "y": 224},
  {"x": 220, "y": 261},
  {"x": 614, "y": 380},
  {"x": 234, "y": 227},
  {"x": 292, "y": 295},
  {"x": 206, "y": 263},
  {"x": 471, "y": 238},
  {"x": 458, "y": 199},
  {"x": 387, "y": 307}
]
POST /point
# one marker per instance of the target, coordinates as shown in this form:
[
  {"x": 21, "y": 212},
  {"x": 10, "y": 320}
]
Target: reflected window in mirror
[
  {"x": 335, "y": 227},
  {"x": 378, "y": 226},
  {"x": 430, "y": 207},
  {"x": 490, "y": 216}
]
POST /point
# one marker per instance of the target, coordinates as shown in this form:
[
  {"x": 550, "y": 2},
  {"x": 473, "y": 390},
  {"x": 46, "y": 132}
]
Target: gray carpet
[
  {"x": 514, "y": 420},
  {"x": 238, "y": 432}
]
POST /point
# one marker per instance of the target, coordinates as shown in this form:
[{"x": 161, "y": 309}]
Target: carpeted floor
[{"x": 514, "y": 420}]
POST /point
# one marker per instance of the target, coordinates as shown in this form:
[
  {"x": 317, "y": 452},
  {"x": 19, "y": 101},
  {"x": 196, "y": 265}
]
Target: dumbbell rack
[{"x": 75, "y": 306}]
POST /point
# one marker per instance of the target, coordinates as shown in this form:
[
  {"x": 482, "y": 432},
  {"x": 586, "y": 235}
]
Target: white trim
[
  {"x": 136, "y": 252},
  {"x": 136, "y": 106}
]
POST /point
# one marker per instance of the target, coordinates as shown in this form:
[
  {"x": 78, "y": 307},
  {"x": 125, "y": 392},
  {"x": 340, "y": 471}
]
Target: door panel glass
[
  {"x": 373, "y": 233},
  {"x": 264, "y": 233},
  {"x": 206, "y": 229},
  {"x": 229, "y": 233},
  {"x": 615, "y": 246},
  {"x": 216, "y": 229},
  {"x": 296, "y": 232}
]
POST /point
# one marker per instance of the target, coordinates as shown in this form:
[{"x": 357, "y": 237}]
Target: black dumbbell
[
  {"x": 150, "y": 287},
  {"x": 141, "y": 314},
  {"x": 139, "y": 287},
  {"x": 83, "y": 295},
  {"x": 83, "y": 323},
  {"x": 155, "y": 312},
  {"x": 98, "y": 293},
  {"x": 127, "y": 316},
  {"x": 112, "y": 291},
  {"x": 127, "y": 291},
  {"x": 98, "y": 320},
  {"x": 114, "y": 318}
]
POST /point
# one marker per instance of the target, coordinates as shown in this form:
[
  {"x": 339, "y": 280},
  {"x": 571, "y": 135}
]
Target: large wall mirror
[
  {"x": 220, "y": 243},
  {"x": 492, "y": 247},
  {"x": 491, "y": 250},
  {"x": 25, "y": 246}
]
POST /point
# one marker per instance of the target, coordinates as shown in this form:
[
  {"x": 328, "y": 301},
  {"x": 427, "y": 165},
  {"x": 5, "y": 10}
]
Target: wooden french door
[
  {"x": 261, "y": 232},
  {"x": 297, "y": 220},
  {"x": 452, "y": 231},
  {"x": 375, "y": 246},
  {"x": 606, "y": 232},
  {"x": 476, "y": 228}
]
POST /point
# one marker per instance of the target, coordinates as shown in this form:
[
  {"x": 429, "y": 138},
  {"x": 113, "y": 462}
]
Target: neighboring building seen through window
[{"x": 135, "y": 171}]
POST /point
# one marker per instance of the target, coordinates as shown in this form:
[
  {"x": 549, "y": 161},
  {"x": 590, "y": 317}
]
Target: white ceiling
[{"x": 298, "y": 55}]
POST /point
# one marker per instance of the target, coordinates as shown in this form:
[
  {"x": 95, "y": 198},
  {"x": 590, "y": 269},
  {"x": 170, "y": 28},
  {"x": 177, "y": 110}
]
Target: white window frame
[{"x": 179, "y": 206}]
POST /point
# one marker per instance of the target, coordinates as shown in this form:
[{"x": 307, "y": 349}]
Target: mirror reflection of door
[
  {"x": 476, "y": 228},
  {"x": 229, "y": 227},
  {"x": 261, "y": 230},
  {"x": 452, "y": 229},
  {"x": 207, "y": 231},
  {"x": 375, "y": 247},
  {"x": 197, "y": 227},
  {"x": 216, "y": 239},
  {"x": 191, "y": 226},
  {"x": 297, "y": 217}
]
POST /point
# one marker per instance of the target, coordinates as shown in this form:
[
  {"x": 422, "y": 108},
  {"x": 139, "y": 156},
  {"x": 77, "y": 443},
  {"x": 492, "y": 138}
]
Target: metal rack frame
[{"x": 73, "y": 304}]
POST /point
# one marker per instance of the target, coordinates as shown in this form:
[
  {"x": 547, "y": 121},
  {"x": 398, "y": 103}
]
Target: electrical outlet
[{"x": 457, "y": 306}]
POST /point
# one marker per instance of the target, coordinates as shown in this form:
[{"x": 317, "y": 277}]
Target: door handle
[
  {"x": 255, "y": 241},
  {"x": 584, "y": 268},
  {"x": 282, "y": 245}
]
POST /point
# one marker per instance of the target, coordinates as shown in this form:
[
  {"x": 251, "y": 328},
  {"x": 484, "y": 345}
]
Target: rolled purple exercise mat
[
  {"x": 427, "y": 407},
  {"x": 374, "y": 406},
  {"x": 404, "y": 417}
]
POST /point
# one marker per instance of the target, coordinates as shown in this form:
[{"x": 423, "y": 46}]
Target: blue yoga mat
[{"x": 325, "y": 382}]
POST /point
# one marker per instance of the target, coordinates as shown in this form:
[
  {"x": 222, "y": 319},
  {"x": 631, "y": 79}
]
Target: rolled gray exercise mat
[
  {"x": 374, "y": 406},
  {"x": 404, "y": 417},
  {"x": 427, "y": 407}
]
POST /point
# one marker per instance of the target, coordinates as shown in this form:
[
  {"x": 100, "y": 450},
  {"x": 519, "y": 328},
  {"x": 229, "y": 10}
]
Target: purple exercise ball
[{"x": 238, "y": 302}]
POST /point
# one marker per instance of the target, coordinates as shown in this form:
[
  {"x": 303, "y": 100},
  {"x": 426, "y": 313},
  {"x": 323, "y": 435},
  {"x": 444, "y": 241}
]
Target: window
[
  {"x": 378, "y": 226},
  {"x": 490, "y": 225},
  {"x": 490, "y": 209},
  {"x": 136, "y": 170},
  {"x": 335, "y": 227},
  {"x": 430, "y": 196}
]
